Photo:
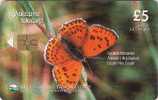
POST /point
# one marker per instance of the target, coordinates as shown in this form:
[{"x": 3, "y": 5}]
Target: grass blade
[{"x": 48, "y": 24}]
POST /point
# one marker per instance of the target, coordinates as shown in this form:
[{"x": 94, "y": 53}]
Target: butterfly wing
[
  {"x": 75, "y": 31},
  {"x": 55, "y": 52},
  {"x": 66, "y": 69},
  {"x": 98, "y": 40},
  {"x": 68, "y": 74}
]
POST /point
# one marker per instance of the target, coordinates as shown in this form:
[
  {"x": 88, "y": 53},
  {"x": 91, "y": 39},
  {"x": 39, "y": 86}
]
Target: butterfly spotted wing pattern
[
  {"x": 74, "y": 31},
  {"x": 98, "y": 40},
  {"x": 55, "y": 52},
  {"x": 66, "y": 70},
  {"x": 68, "y": 74}
]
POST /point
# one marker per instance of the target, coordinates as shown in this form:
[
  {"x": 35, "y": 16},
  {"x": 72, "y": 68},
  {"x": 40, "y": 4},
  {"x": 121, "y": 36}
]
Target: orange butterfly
[{"x": 75, "y": 42}]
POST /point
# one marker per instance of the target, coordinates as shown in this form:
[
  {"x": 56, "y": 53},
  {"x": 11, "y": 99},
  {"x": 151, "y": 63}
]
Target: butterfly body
[
  {"x": 75, "y": 42},
  {"x": 75, "y": 52}
]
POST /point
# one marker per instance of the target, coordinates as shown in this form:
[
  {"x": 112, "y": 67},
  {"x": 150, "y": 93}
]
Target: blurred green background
[{"x": 28, "y": 70}]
